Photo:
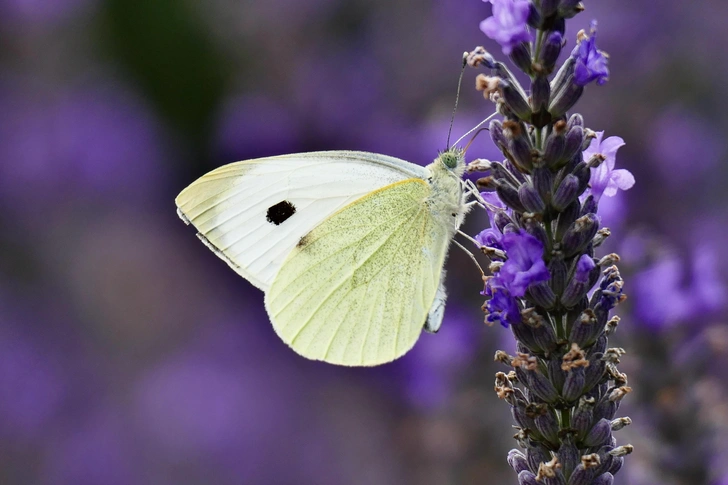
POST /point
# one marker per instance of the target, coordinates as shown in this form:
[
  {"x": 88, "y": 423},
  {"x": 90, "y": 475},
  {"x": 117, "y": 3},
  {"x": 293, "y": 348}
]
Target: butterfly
[{"x": 347, "y": 246}]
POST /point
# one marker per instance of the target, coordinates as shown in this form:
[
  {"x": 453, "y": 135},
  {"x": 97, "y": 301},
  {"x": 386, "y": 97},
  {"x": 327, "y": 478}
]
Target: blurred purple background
[{"x": 130, "y": 354}]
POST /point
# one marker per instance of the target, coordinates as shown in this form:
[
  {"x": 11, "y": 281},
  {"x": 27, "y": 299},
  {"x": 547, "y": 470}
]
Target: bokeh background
[{"x": 130, "y": 354}]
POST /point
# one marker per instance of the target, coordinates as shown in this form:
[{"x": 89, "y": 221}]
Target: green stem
[
  {"x": 539, "y": 44},
  {"x": 565, "y": 415}
]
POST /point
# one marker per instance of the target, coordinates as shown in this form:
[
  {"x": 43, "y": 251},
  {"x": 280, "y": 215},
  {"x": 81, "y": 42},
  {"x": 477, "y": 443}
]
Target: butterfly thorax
[{"x": 446, "y": 200}]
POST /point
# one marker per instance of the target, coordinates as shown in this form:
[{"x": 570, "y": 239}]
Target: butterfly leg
[
  {"x": 467, "y": 251},
  {"x": 472, "y": 190}
]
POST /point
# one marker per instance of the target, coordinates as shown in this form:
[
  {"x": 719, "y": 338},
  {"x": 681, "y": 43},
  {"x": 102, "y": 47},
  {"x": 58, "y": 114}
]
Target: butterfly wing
[
  {"x": 357, "y": 289},
  {"x": 253, "y": 213}
]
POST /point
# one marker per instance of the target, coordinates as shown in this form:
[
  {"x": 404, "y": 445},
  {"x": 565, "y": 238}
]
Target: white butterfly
[{"x": 348, "y": 246}]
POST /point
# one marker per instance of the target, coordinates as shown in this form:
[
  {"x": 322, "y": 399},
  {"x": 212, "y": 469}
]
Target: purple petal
[
  {"x": 610, "y": 146},
  {"x": 583, "y": 268},
  {"x": 623, "y": 178}
]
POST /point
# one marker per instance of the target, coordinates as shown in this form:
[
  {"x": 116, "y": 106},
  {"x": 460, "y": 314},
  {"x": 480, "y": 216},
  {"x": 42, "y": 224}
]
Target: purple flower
[
  {"x": 501, "y": 307},
  {"x": 591, "y": 63},
  {"x": 656, "y": 285},
  {"x": 509, "y": 24},
  {"x": 583, "y": 268},
  {"x": 665, "y": 281},
  {"x": 605, "y": 180},
  {"x": 491, "y": 237},
  {"x": 525, "y": 265},
  {"x": 685, "y": 143}
]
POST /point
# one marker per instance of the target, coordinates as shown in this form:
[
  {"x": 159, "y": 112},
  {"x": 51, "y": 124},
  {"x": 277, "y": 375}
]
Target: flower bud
[
  {"x": 501, "y": 172},
  {"x": 589, "y": 205},
  {"x": 516, "y": 101},
  {"x": 577, "y": 287},
  {"x": 582, "y": 476},
  {"x": 519, "y": 146},
  {"x": 558, "y": 270},
  {"x": 521, "y": 417},
  {"x": 585, "y": 329},
  {"x": 537, "y": 454},
  {"x": 548, "y": 425},
  {"x": 567, "y": 192},
  {"x": 569, "y": 8},
  {"x": 530, "y": 198},
  {"x": 574, "y": 384},
  {"x": 565, "y": 72},
  {"x": 539, "y": 385},
  {"x": 534, "y": 16},
  {"x": 551, "y": 47},
  {"x": 543, "y": 180},
  {"x": 525, "y": 334},
  {"x": 569, "y": 456},
  {"x": 600, "y": 434},
  {"x": 575, "y": 120},
  {"x": 604, "y": 479},
  {"x": 541, "y": 294},
  {"x": 601, "y": 344},
  {"x": 517, "y": 461},
  {"x": 509, "y": 196},
  {"x": 583, "y": 174},
  {"x": 554, "y": 149},
  {"x": 579, "y": 234},
  {"x": 583, "y": 416},
  {"x": 616, "y": 465},
  {"x": 594, "y": 373},
  {"x": 542, "y": 331},
  {"x": 565, "y": 98},
  {"x": 540, "y": 97},
  {"x": 496, "y": 133},
  {"x": 540, "y": 93},
  {"x": 556, "y": 374},
  {"x": 573, "y": 141},
  {"x": 535, "y": 229},
  {"x": 517, "y": 174},
  {"x": 566, "y": 219},
  {"x": 605, "y": 460},
  {"x": 526, "y": 477},
  {"x": 521, "y": 57},
  {"x": 605, "y": 409}
]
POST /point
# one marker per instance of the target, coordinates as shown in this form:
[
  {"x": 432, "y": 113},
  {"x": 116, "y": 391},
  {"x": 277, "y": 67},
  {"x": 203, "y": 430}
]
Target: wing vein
[{"x": 347, "y": 277}]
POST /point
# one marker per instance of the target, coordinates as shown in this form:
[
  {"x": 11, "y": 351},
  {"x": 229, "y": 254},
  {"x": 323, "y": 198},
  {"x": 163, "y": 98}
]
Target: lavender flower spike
[
  {"x": 548, "y": 284},
  {"x": 605, "y": 180},
  {"x": 509, "y": 23}
]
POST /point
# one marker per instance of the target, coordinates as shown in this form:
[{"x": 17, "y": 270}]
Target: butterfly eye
[{"x": 449, "y": 159}]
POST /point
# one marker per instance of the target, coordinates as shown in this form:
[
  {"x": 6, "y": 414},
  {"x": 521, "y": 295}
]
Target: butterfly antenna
[
  {"x": 472, "y": 139},
  {"x": 476, "y": 127},
  {"x": 457, "y": 98}
]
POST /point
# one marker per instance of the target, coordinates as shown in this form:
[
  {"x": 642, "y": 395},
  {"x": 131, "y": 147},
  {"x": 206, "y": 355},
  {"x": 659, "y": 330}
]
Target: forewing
[
  {"x": 357, "y": 289},
  {"x": 253, "y": 213}
]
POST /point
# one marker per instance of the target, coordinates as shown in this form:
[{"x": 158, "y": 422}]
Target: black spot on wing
[{"x": 279, "y": 213}]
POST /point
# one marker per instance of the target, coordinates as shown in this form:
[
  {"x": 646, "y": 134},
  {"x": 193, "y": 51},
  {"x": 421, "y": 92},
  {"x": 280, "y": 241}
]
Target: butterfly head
[{"x": 452, "y": 160}]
